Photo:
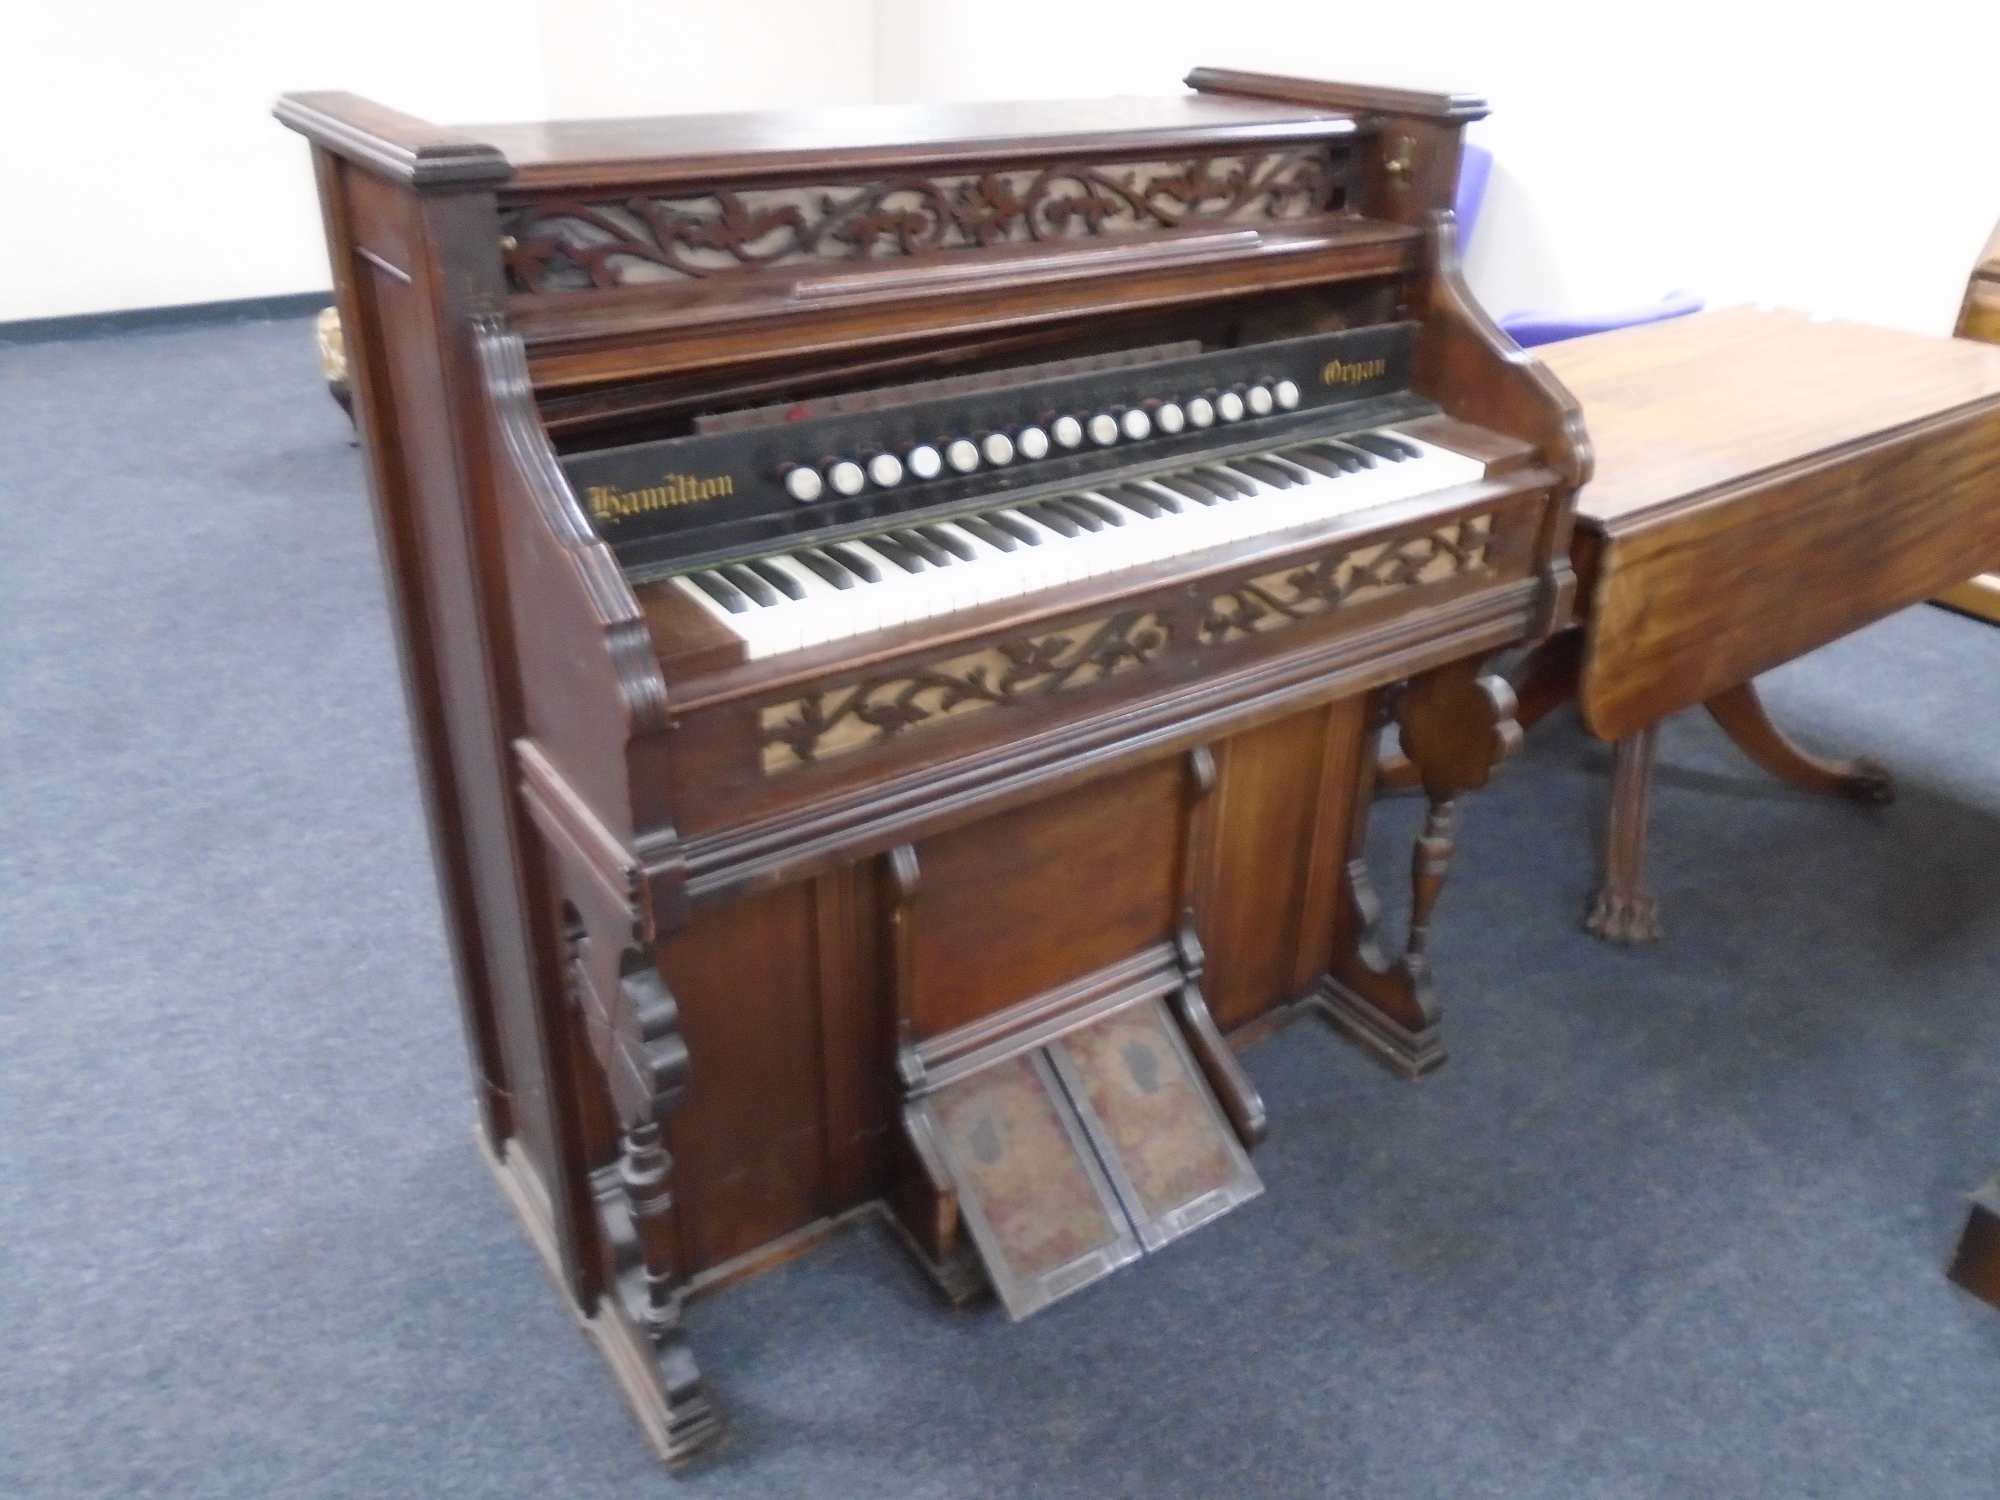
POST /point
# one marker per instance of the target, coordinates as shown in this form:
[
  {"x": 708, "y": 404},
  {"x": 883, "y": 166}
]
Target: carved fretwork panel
[
  {"x": 1343, "y": 578},
  {"x": 572, "y": 245},
  {"x": 803, "y": 730}
]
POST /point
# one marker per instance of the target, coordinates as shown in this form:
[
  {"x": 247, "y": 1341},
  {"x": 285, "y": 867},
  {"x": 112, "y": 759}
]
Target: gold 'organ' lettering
[
  {"x": 607, "y": 504},
  {"x": 1335, "y": 372}
]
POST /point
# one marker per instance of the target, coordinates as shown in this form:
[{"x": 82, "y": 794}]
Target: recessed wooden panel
[
  {"x": 1033, "y": 898},
  {"x": 856, "y": 1034},
  {"x": 1264, "y": 833},
  {"x": 749, "y": 1163}
]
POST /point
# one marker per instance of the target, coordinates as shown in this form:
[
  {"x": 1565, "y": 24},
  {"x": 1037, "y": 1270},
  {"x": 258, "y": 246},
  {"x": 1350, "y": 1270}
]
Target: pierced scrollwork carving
[
  {"x": 804, "y": 730},
  {"x": 571, "y": 245},
  {"x": 1341, "y": 578}
]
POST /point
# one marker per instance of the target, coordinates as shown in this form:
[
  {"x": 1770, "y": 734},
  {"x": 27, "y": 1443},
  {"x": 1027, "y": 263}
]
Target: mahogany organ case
[{"x": 896, "y": 608}]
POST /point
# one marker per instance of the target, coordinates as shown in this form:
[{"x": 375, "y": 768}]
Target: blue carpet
[{"x": 1670, "y": 1223}]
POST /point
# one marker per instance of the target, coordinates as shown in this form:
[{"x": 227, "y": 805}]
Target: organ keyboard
[
  {"x": 897, "y": 606},
  {"x": 785, "y": 601}
]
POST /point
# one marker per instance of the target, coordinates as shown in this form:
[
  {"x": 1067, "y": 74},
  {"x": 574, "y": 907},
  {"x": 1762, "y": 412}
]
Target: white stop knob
[
  {"x": 1067, "y": 431},
  {"x": 1229, "y": 406},
  {"x": 885, "y": 469},
  {"x": 803, "y": 484},
  {"x": 1104, "y": 429},
  {"x": 1201, "y": 412},
  {"x": 998, "y": 448},
  {"x": 1137, "y": 424},
  {"x": 846, "y": 477},
  {"x": 923, "y": 461},
  {"x": 1287, "y": 392},
  {"x": 1032, "y": 442},
  {"x": 961, "y": 455},
  {"x": 1260, "y": 400},
  {"x": 1170, "y": 419}
]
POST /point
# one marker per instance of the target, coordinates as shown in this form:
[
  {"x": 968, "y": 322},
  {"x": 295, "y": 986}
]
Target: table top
[{"x": 1680, "y": 409}]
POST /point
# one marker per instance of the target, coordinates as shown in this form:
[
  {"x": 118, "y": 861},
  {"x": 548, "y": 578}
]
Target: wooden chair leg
[
  {"x": 1741, "y": 714},
  {"x": 1623, "y": 912}
]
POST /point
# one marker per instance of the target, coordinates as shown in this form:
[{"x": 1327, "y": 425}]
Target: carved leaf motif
[
  {"x": 1265, "y": 603},
  {"x": 1031, "y": 659},
  {"x": 896, "y": 714},
  {"x": 574, "y": 245},
  {"x": 988, "y": 209},
  {"x": 738, "y": 228},
  {"x": 804, "y": 729}
]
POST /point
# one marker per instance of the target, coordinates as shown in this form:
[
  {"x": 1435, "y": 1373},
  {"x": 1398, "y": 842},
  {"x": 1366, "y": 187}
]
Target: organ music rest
[{"x": 896, "y": 606}]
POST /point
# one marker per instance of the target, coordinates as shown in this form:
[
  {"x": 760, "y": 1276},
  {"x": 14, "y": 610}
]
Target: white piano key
[
  {"x": 856, "y": 604},
  {"x": 890, "y": 596},
  {"x": 820, "y": 618},
  {"x": 926, "y": 589},
  {"x": 989, "y": 573},
  {"x": 1048, "y": 564}
]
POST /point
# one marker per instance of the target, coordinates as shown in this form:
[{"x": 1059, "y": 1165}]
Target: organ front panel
[{"x": 897, "y": 609}]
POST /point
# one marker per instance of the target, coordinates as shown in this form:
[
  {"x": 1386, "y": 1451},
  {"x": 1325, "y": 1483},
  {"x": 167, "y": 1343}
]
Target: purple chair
[
  {"x": 1529, "y": 326},
  {"x": 1475, "y": 165}
]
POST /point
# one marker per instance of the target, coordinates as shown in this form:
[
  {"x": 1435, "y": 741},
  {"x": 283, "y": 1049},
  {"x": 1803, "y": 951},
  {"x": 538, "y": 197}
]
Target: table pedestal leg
[
  {"x": 1741, "y": 714},
  {"x": 1623, "y": 912},
  {"x": 1976, "y": 1266}
]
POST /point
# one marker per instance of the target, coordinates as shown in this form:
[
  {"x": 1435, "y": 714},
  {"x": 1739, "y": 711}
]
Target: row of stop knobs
[{"x": 850, "y": 476}]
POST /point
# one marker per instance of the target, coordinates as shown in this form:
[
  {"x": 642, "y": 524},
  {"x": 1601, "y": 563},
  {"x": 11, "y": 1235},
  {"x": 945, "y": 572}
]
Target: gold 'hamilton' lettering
[
  {"x": 607, "y": 504},
  {"x": 1338, "y": 373}
]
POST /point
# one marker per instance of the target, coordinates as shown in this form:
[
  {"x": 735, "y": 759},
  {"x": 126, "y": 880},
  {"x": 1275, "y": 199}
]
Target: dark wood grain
[
  {"x": 718, "y": 934},
  {"x": 1696, "y": 406},
  {"x": 568, "y": 155},
  {"x": 1767, "y": 482}
]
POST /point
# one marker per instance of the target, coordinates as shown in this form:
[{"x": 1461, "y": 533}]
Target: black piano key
[
  {"x": 1271, "y": 474},
  {"x": 1164, "y": 504},
  {"x": 1383, "y": 445},
  {"x": 1150, "y": 490},
  {"x": 1239, "y": 489},
  {"x": 721, "y": 591},
  {"x": 925, "y": 548},
  {"x": 898, "y": 554},
  {"x": 1012, "y": 527},
  {"x": 1319, "y": 463},
  {"x": 1083, "y": 515},
  {"x": 861, "y": 567},
  {"x": 1299, "y": 472},
  {"x": 1194, "y": 489},
  {"x": 987, "y": 532},
  {"x": 828, "y": 568},
  {"x": 958, "y": 546},
  {"x": 1098, "y": 507},
  {"x": 759, "y": 592},
  {"x": 1055, "y": 520},
  {"x": 1352, "y": 458},
  {"x": 1137, "y": 501},
  {"x": 778, "y": 579}
]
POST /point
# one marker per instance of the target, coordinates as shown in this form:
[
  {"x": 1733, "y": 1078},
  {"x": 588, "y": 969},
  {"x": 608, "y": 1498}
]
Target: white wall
[
  {"x": 140, "y": 165},
  {"x": 1824, "y": 158},
  {"x": 606, "y": 58},
  {"x": 1835, "y": 158}
]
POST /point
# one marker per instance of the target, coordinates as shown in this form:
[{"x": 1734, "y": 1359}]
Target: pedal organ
[{"x": 896, "y": 608}]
